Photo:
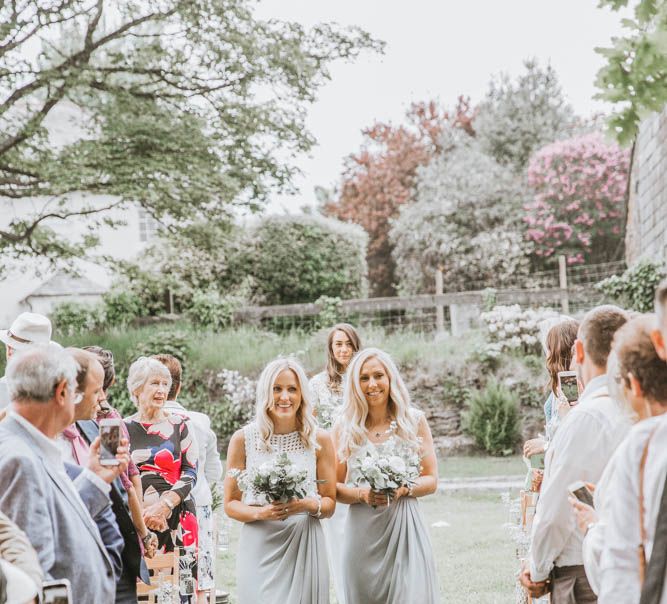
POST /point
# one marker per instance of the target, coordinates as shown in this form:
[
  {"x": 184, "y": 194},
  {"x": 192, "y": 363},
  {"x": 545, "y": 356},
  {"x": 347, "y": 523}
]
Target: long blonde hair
[
  {"x": 352, "y": 423},
  {"x": 305, "y": 422}
]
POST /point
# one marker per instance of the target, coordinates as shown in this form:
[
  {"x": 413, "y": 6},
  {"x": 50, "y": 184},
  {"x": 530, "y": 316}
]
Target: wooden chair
[{"x": 165, "y": 563}]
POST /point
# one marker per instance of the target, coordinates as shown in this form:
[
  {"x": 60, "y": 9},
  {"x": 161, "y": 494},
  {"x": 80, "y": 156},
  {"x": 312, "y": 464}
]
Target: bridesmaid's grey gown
[
  {"x": 281, "y": 562},
  {"x": 387, "y": 554}
]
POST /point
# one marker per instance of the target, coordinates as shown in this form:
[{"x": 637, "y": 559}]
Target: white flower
[{"x": 397, "y": 464}]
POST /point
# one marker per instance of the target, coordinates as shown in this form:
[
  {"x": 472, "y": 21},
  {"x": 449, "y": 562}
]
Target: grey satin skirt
[
  {"x": 387, "y": 555},
  {"x": 282, "y": 562}
]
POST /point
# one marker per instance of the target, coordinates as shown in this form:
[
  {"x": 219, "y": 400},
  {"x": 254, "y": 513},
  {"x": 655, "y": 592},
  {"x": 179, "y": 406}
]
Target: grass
[
  {"x": 247, "y": 349},
  {"x": 475, "y": 557},
  {"x": 477, "y": 467},
  {"x": 474, "y": 554}
]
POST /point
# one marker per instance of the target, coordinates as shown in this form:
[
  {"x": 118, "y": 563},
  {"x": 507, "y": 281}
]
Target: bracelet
[
  {"x": 319, "y": 508},
  {"x": 358, "y": 494},
  {"x": 168, "y": 503},
  {"x": 411, "y": 490},
  {"x": 147, "y": 537}
]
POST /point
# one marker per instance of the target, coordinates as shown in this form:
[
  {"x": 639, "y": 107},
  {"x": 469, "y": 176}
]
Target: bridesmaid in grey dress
[
  {"x": 282, "y": 555},
  {"x": 387, "y": 552},
  {"x": 327, "y": 389}
]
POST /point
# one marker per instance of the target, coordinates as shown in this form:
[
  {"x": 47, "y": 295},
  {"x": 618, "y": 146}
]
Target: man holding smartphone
[
  {"x": 583, "y": 444},
  {"x": 36, "y": 492}
]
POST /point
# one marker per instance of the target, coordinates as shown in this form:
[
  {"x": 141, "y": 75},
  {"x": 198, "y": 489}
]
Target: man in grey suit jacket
[{"x": 55, "y": 512}]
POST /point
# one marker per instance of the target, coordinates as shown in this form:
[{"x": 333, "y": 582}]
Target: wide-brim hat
[{"x": 28, "y": 328}]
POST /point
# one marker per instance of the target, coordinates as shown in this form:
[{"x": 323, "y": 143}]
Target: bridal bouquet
[
  {"x": 278, "y": 480},
  {"x": 387, "y": 467}
]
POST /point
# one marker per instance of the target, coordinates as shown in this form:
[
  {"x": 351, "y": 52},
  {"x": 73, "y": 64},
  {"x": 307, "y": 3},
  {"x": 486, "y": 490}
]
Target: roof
[{"x": 65, "y": 284}]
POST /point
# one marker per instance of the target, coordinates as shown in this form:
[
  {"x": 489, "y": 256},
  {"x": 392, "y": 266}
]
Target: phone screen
[
  {"x": 110, "y": 441},
  {"x": 584, "y": 495},
  {"x": 569, "y": 387},
  {"x": 57, "y": 592}
]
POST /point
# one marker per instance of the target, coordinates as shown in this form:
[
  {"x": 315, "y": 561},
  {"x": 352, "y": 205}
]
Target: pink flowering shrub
[{"x": 579, "y": 190}]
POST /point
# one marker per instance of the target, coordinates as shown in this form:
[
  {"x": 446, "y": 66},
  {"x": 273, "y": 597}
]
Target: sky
[{"x": 436, "y": 49}]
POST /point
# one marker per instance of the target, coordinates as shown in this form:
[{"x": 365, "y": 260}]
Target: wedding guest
[
  {"x": 582, "y": 446},
  {"x": 28, "y": 328},
  {"x": 636, "y": 371},
  {"x": 343, "y": 343},
  {"x": 387, "y": 553},
  {"x": 75, "y": 442},
  {"x": 209, "y": 471},
  {"x": 161, "y": 446},
  {"x": 558, "y": 345},
  {"x": 35, "y": 490},
  {"x": 282, "y": 555},
  {"x": 637, "y": 509}
]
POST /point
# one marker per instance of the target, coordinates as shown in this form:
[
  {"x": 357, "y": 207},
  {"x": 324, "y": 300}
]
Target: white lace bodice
[{"x": 256, "y": 454}]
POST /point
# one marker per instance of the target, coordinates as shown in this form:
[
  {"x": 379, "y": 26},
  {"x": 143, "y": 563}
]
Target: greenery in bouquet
[
  {"x": 327, "y": 414},
  {"x": 278, "y": 480},
  {"x": 387, "y": 467}
]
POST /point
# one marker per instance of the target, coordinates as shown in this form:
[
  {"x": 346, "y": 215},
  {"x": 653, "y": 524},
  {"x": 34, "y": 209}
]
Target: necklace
[{"x": 389, "y": 430}]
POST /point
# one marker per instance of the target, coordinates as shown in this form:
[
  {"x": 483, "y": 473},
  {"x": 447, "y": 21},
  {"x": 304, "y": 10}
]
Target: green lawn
[
  {"x": 481, "y": 466},
  {"x": 474, "y": 553}
]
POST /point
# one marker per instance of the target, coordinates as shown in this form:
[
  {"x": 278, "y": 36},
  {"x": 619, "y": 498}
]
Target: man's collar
[
  {"x": 596, "y": 383},
  {"x": 46, "y": 444}
]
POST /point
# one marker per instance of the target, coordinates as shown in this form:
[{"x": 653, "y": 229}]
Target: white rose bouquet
[
  {"x": 387, "y": 467},
  {"x": 277, "y": 480}
]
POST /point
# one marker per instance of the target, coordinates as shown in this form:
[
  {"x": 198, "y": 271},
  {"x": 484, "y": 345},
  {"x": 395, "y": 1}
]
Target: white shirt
[
  {"x": 580, "y": 450},
  {"x": 209, "y": 466},
  {"x": 594, "y": 539},
  {"x": 619, "y": 565}
]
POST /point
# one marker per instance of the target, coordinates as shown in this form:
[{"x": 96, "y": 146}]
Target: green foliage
[
  {"x": 73, "y": 317},
  {"x": 634, "y": 76},
  {"x": 330, "y": 311},
  {"x": 518, "y": 117},
  {"x": 168, "y": 340},
  {"x": 168, "y": 116},
  {"x": 301, "y": 258},
  {"x": 210, "y": 310},
  {"x": 122, "y": 307},
  {"x": 492, "y": 419},
  {"x": 635, "y": 288}
]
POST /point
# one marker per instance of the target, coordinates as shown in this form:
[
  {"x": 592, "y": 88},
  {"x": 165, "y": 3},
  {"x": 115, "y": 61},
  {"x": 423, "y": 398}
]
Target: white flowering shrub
[{"x": 511, "y": 328}]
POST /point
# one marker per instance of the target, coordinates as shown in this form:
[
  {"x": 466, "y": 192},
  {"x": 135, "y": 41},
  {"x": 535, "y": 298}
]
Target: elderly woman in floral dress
[{"x": 161, "y": 446}]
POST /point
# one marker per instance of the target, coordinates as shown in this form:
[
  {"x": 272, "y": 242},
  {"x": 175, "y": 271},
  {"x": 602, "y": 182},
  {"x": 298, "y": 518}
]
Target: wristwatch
[{"x": 147, "y": 537}]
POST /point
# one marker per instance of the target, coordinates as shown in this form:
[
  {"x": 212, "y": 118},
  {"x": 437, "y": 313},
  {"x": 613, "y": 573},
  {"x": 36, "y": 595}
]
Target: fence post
[
  {"x": 439, "y": 310},
  {"x": 562, "y": 283}
]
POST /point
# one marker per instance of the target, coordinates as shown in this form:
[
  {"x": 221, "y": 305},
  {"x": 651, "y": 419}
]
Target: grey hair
[
  {"x": 141, "y": 371},
  {"x": 34, "y": 372}
]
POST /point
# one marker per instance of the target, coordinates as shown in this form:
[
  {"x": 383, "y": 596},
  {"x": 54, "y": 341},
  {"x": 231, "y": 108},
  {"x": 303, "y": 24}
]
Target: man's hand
[
  {"x": 535, "y": 589},
  {"x": 585, "y": 514},
  {"x": 156, "y": 516},
  {"x": 109, "y": 473}
]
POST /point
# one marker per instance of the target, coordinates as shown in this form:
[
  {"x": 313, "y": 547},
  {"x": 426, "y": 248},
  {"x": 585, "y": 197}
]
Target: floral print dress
[{"x": 167, "y": 461}]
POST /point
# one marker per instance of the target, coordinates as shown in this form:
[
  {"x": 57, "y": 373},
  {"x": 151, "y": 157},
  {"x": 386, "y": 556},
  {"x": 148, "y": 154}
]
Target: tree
[
  {"x": 380, "y": 179},
  {"x": 300, "y": 258},
  {"x": 635, "y": 74},
  {"x": 518, "y": 117},
  {"x": 579, "y": 190},
  {"x": 465, "y": 222},
  {"x": 186, "y": 106}
]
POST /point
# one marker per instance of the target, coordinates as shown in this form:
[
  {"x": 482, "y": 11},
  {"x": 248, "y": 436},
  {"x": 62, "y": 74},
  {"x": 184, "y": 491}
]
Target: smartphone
[
  {"x": 569, "y": 385},
  {"x": 109, "y": 441},
  {"x": 57, "y": 592},
  {"x": 580, "y": 491}
]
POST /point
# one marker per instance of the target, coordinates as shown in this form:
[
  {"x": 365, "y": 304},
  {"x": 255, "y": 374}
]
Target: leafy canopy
[
  {"x": 182, "y": 106},
  {"x": 634, "y": 76}
]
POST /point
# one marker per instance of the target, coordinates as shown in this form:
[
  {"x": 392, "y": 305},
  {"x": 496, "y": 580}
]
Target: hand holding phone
[
  {"x": 581, "y": 492},
  {"x": 568, "y": 385},
  {"x": 109, "y": 441}
]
